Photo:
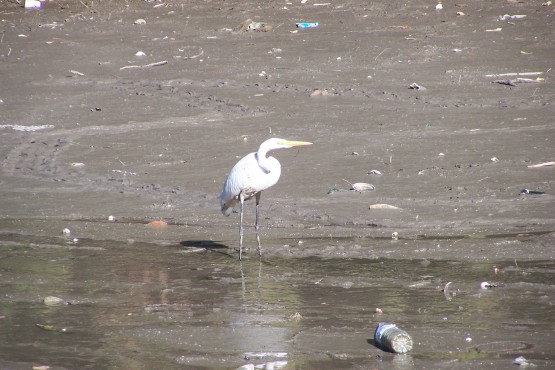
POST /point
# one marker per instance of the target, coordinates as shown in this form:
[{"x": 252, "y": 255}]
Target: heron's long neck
[{"x": 263, "y": 160}]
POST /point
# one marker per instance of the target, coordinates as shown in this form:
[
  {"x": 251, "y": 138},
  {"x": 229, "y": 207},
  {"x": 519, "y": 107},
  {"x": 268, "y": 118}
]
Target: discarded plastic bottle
[
  {"x": 307, "y": 25},
  {"x": 390, "y": 338}
]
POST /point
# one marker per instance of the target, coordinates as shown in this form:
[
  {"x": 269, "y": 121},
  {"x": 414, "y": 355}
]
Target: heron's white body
[{"x": 254, "y": 173}]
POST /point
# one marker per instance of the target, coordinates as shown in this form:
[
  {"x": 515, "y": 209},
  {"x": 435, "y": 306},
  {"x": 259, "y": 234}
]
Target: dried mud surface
[
  {"x": 88, "y": 130},
  {"x": 157, "y": 142}
]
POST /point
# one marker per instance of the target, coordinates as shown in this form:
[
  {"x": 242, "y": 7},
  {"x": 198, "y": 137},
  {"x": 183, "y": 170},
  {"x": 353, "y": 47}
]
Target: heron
[{"x": 254, "y": 173}]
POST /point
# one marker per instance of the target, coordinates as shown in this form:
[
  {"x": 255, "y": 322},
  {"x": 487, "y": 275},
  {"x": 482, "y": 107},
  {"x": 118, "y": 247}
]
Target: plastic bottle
[{"x": 390, "y": 338}]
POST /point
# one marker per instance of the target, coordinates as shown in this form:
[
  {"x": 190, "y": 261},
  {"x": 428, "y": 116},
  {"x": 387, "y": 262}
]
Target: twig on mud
[
  {"x": 194, "y": 56},
  {"x": 77, "y": 73},
  {"x": 518, "y": 80},
  {"x": 545, "y": 164},
  {"x": 515, "y": 74},
  {"x": 156, "y": 64},
  {"x": 456, "y": 241},
  {"x": 383, "y": 51}
]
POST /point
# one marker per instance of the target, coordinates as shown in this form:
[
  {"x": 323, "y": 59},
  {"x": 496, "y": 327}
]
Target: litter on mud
[
  {"x": 307, "y": 25},
  {"x": 390, "y": 338},
  {"x": 415, "y": 86},
  {"x": 531, "y": 192},
  {"x": 360, "y": 186},
  {"x": 159, "y": 224},
  {"x": 382, "y": 206},
  {"x": 32, "y": 4},
  {"x": 511, "y": 17},
  {"x": 489, "y": 285},
  {"x": 249, "y": 25},
  {"x": 54, "y": 301}
]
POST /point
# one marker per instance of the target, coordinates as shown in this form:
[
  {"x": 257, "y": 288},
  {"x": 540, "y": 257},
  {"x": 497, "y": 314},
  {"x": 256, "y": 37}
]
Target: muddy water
[{"x": 144, "y": 306}]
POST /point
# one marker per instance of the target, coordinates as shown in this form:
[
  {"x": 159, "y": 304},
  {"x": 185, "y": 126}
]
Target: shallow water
[{"x": 142, "y": 306}]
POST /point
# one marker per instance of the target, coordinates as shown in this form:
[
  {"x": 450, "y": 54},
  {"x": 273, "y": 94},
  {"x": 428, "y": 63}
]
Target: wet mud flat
[
  {"x": 101, "y": 140},
  {"x": 145, "y": 305}
]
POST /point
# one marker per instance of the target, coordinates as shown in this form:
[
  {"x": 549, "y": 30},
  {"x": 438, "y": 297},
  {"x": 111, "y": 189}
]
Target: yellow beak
[{"x": 295, "y": 143}]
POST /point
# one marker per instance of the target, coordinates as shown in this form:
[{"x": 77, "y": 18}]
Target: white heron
[{"x": 252, "y": 174}]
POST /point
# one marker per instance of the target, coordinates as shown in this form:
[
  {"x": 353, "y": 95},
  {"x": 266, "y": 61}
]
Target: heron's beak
[{"x": 295, "y": 143}]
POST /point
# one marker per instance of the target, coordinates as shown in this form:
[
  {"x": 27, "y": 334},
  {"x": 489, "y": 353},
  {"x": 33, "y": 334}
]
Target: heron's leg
[
  {"x": 242, "y": 199},
  {"x": 257, "y": 225}
]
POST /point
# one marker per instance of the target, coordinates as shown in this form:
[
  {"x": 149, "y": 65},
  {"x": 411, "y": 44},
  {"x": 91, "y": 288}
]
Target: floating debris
[
  {"x": 267, "y": 365},
  {"x": 375, "y": 172},
  {"x": 54, "y": 301},
  {"x": 296, "y": 316},
  {"x": 49, "y": 327},
  {"x": 489, "y": 285},
  {"x": 249, "y": 355}
]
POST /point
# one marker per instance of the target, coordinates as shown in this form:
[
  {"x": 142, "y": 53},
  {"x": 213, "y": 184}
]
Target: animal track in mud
[
  {"x": 185, "y": 93},
  {"x": 38, "y": 158}
]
